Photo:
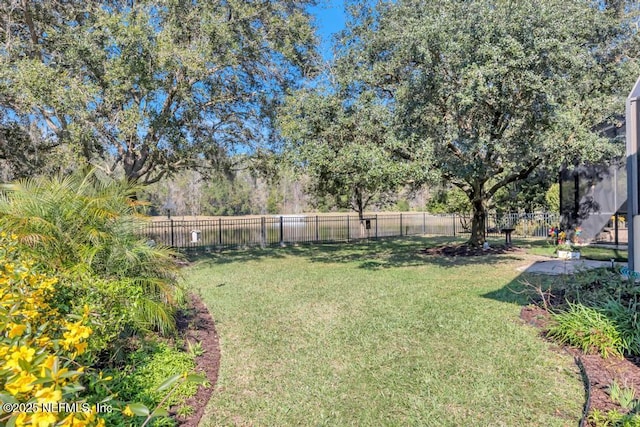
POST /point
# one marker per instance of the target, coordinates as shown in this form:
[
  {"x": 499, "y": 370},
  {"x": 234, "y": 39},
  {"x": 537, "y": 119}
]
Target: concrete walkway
[{"x": 558, "y": 266}]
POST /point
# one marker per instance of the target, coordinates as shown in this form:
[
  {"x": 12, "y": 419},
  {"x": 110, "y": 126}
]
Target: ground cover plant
[{"x": 378, "y": 333}]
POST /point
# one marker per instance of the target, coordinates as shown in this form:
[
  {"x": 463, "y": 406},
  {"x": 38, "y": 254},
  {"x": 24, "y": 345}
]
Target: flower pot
[{"x": 568, "y": 255}]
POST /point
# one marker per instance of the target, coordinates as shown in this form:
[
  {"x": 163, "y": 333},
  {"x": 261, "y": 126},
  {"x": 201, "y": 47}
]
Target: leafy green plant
[
  {"x": 84, "y": 226},
  {"x": 587, "y": 328},
  {"x": 195, "y": 349},
  {"x": 147, "y": 369},
  {"x": 627, "y": 322},
  {"x": 592, "y": 287},
  {"x": 624, "y": 396},
  {"x": 172, "y": 384},
  {"x": 613, "y": 418},
  {"x": 185, "y": 411}
]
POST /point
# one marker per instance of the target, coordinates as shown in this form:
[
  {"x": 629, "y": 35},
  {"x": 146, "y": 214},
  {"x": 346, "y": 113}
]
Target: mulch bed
[
  {"x": 600, "y": 372},
  {"x": 196, "y": 325},
  {"x": 468, "y": 250}
]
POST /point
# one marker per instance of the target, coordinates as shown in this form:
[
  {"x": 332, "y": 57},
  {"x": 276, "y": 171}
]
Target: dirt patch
[
  {"x": 465, "y": 250},
  {"x": 600, "y": 372},
  {"x": 196, "y": 326}
]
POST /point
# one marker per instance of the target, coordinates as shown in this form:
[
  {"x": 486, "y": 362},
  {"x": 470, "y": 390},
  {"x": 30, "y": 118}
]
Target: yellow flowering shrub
[{"x": 41, "y": 377}]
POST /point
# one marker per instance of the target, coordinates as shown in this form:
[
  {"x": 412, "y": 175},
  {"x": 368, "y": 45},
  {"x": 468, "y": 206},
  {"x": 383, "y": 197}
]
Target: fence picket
[{"x": 261, "y": 231}]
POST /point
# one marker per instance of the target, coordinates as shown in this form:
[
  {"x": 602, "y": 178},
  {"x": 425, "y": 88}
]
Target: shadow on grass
[
  {"x": 369, "y": 254},
  {"x": 525, "y": 289}
]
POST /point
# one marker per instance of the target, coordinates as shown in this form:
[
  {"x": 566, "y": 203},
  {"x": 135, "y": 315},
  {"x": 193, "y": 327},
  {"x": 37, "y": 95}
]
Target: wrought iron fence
[{"x": 285, "y": 229}]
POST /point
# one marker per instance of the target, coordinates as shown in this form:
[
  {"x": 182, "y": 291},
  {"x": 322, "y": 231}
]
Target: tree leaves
[{"x": 152, "y": 87}]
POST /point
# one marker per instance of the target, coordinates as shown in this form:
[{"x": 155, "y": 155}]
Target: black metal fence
[{"x": 284, "y": 229}]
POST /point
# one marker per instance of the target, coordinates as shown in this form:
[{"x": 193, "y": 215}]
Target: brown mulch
[
  {"x": 468, "y": 250},
  {"x": 196, "y": 325},
  {"x": 600, "y": 372}
]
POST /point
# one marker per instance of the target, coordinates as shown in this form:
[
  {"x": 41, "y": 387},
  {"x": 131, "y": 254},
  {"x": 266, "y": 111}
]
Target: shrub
[
  {"x": 41, "y": 347},
  {"x": 46, "y": 343},
  {"x": 84, "y": 227},
  {"x": 592, "y": 287},
  {"x": 627, "y": 323},
  {"x": 587, "y": 328}
]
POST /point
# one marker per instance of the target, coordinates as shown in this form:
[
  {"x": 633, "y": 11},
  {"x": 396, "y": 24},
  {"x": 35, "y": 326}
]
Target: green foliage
[
  {"x": 84, "y": 227},
  {"x": 147, "y": 87},
  {"x": 525, "y": 195},
  {"x": 588, "y": 329},
  {"x": 595, "y": 287},
  {"x": 626, "y": 319},
  {"x": 613, "y": 418},
  {"x": 453, "y": 200},
  {"x": 494, "y": 89},
  {"x": 552, "y": 197},
  {"x": 402, "y": 206},
  {"x": 346, "y": 146},
  {"x": 150, "y": 367},
  {"x": 624, "y": 396}
]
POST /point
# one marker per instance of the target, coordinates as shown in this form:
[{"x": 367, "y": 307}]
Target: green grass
[
  {"x": 378, "y": 334},
  {"x": 543, "y": 247}
]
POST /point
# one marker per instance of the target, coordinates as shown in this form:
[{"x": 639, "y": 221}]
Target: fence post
[
  {"x": 172, "y": 242},
  {"x": 453, "y": 218},
  {"x": 400, "y": 224},
  {"x": 376, "y": 226},
  {"x": 220, "y": 231},
  {"x": 317, "y": 230},
  {"x": 281, "y": 231},
  {"x": 348, "y": 229},
  {"x": 263, "y": 232}
]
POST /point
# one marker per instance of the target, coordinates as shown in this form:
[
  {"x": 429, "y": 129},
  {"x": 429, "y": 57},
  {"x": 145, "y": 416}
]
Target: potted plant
[{"x": 564, "y": 249}]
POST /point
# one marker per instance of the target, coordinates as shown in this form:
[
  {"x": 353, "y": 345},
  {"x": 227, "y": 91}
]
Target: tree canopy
[
  {"x": 146, "y": 87},
  {"x": 346, "y": 146},
  {"x": 495, "y": 87}
]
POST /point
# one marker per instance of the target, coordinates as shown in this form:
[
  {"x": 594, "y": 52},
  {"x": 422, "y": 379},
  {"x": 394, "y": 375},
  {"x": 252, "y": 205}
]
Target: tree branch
[{"x": 522, "y": 174}]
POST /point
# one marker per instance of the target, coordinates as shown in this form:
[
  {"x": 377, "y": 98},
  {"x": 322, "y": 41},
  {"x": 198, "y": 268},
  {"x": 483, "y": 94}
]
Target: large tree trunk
[{"x": 478, "y": 223}]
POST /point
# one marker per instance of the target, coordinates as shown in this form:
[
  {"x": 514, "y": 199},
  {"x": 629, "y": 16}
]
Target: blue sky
[{"x": 330, "y": 18}]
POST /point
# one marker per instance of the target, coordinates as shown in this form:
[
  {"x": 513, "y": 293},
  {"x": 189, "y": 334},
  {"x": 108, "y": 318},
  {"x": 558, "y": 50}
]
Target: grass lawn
[
  {"x": 543, "y": 247},
  {"x": 378, "y": 334}
]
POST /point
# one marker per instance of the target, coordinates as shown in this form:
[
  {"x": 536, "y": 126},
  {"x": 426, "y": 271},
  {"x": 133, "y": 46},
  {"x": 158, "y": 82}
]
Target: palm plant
[{"x": 84, "y": 225}]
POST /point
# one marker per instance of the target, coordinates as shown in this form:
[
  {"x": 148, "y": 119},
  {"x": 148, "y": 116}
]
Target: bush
[
  {"x": 42, "y": 347},
  {"x": 587, "y": 328},
  {"x": 626, "y": 321},
  {"x": 84, "y": 227},
  {"x": 48, "y": 342}
]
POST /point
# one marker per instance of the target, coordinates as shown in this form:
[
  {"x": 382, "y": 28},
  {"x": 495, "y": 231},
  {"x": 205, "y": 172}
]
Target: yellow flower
[
  {"x": 81, "y": 347},
  {"x": 127, "y": 411},
  {"x": 16, "y": 330},
  {"x": 71, "y": 421},
  {"x": 43, "y": 419},
  {"x": 48, "y": 363},
  {"x": 21, "y": 384},
  {"x": 23, "y": 353},
  {"x": 43, "y": 341},
  {"x": 49, "y": 395},
  {"x": 21, "y": 420}
]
